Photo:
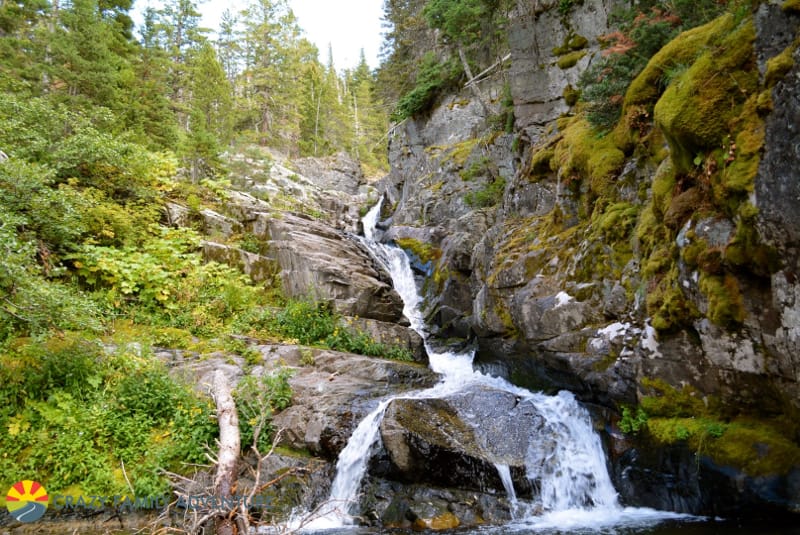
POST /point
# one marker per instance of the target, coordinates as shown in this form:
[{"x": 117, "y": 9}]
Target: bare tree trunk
[
  {"x": 229, "y": 448},
  {"x": 474, "y": 87}
]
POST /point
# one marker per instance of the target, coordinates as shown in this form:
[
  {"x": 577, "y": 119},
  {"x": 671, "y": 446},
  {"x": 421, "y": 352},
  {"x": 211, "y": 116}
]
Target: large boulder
[
  {"x": 334, "y": 391},
  {"x": 460, "y": 439}
]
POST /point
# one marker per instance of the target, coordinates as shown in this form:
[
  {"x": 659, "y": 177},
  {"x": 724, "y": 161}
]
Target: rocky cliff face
[{"x": 653, "y": 267}]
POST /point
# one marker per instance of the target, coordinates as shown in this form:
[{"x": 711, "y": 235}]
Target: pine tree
[
  {"x": 86, "y": 56},
  {"x": 275, "y": 55},
  {"x": 148, "y": 112},
  {"x": 369, "y": 117},
  {"x": 210, "y": 124}
]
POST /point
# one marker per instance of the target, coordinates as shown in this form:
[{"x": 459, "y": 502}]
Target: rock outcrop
[
  {"x": 334, "y": 394},
  {"x": 647, "y": 267}
]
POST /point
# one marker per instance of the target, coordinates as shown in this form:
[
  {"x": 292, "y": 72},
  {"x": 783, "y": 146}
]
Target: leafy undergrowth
[
  {"x": 90, "y": 281},
  {"x": 79, "y": 418},
  {"x": 309, "y": 322}
]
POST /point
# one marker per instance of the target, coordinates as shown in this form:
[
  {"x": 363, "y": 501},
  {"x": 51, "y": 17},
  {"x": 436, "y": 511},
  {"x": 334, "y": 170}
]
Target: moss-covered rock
[
  {"x": 569, "y": 60},
  {"x": 583, "y": 153},
  {"x": 681, "y": 51},
  {"x": 697, "y": 108}
]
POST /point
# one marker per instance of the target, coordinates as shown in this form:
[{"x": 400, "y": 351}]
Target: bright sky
[{"x": 348, "y": 25}]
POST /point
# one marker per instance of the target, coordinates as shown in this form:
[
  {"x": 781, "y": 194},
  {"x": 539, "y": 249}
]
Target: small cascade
[
  {"x": 565, "y": 459},
  {"x": 350, "y": 469},
  {"x": 505, "y": 476}
]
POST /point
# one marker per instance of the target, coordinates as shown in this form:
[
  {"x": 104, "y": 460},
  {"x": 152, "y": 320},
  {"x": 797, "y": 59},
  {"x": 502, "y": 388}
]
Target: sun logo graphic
[{"x": 27, "y": 501}]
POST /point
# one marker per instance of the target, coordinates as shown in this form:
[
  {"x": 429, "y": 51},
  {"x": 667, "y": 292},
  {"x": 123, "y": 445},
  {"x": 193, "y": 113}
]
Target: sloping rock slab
[
  {"x": 320, "y": 262},
  {"x": 331, "y": 397}
]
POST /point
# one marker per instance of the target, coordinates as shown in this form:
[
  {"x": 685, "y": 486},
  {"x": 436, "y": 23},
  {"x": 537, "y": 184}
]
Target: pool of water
[{"x": 670, "y": 527}]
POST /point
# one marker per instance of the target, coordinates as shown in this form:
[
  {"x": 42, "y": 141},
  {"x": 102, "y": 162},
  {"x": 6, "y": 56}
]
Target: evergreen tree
[
  {"x": 87, "y": 64},
  {"x": 275, "y": 55},
  {"x": 210, "y": 124},
  {"x": 369, "y": 118},
  {"x": 148, "y": 110},
  {"x": 228, "y": 47}
]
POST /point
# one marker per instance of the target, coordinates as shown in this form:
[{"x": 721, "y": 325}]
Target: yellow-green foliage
[
  {"x": 778, "y": 66},
  {"x": 541, "y": 160},
  {"x": 745, "y": 249},
  {"x": 666, "y": 401},
  {"x": 649, "y": 231},
  {"x": 725, "y": 302},
  {"x": 581, "y": 153},
  {"x": 645, "y": 88},
  {"x": 758, "y": 447},
  {"x": 424, "y": 251},
  {"x": 616, "y": 221},
  {"x": 572, "y": 43},
  {"x": 696, "y": 109},
  {"x": 663, "y": 188},
  {"x": 737, "y": 178},
  {"x": 571, "y": 95},
  {"x": 459, "y": 152}
]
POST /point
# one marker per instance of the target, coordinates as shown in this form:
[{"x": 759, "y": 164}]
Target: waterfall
[
  {"x": 505, "y": 476},
  {"x": 566, "y": 461}
]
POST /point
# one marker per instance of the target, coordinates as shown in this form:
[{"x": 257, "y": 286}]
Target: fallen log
[{"x": 229, "y": 449}]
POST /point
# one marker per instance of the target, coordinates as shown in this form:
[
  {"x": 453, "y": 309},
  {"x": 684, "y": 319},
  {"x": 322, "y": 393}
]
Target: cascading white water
[
  {"x": 565, "y": 460},
  {"x": 505, "y": 476}
]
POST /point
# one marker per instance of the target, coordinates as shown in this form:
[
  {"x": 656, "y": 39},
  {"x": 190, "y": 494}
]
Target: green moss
[
  {"x": 663, "y": 400},
  {"x": 616, "y": 221},
  {"x": 663, "y": 188},
  {"x": 725, "y": 302},
  {"x": 571, "y": 95},
  {"x": 652, "y": 239},
  {"x": 745, "y": 251},
  {"x": 477, "y": 168},
  {"x": 740, "y": 159},
  {"x": 572, "y": 43},
  {"x": 695, "y": 110},
  {"x": 583, "y": 153},
  {"x": 778, "y": 66},
  {"x": 755, "y": 448},
  {"x": 504, "y": 315},
  {"x": 567, "y": 61},
  {"x": 792, "y": 6},
  {"x": 645, "y": 88},
  {"x": 666, "y": 303},
  {"x": 457, "y": 152},
  {"x": 541, "y": 162},
  {"x": 578, "y": 42},
  {"x": 424, "y": 251}
]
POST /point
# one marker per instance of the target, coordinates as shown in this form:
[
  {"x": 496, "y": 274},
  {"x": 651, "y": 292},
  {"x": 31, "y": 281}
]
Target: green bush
[
  {"x": 489, "y": 195},
  {"x": 309, "y": 322},
  {"x": 433, "y": 78},
  {"x": 305, "y": 321},
  {"x": 257, "y": 399},
  {"x": 632, "y": 423},
  {"x": 75, "y": 414}
]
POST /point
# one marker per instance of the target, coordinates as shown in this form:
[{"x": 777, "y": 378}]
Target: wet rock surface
[
  {"x": 331, "y": 397},
  {"x": 458, "y": 440}
]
